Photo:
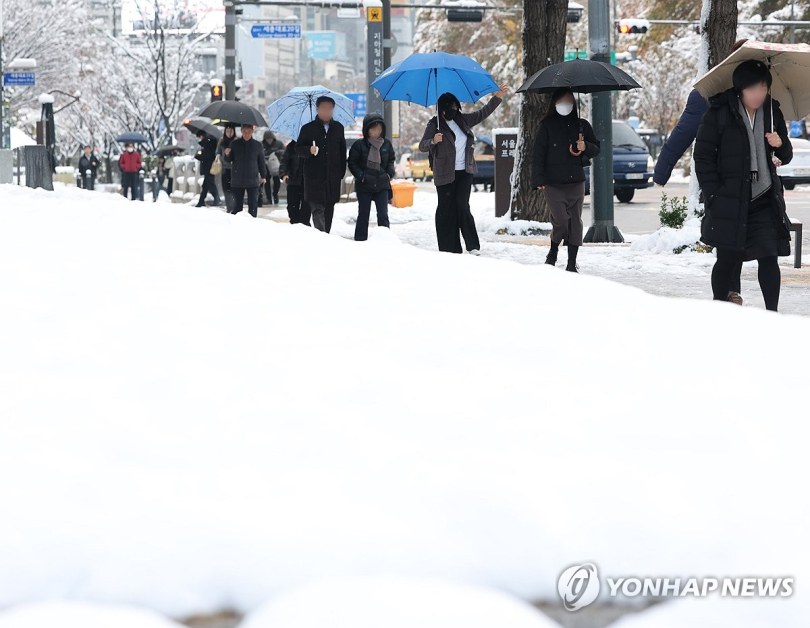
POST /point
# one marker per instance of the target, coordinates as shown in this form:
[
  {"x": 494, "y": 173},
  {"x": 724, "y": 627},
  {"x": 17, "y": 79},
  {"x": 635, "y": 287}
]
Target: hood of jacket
[{"x": 372, "y": 119}]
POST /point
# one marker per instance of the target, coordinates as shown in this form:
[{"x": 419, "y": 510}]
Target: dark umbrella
[
  {"x": 233, "y": 112},
  {"x": 132, "y": 136},
  {"x": 201, "y": 124},
  {"x": 162, "y": 150},
  {"x": 580, "y": 75}
]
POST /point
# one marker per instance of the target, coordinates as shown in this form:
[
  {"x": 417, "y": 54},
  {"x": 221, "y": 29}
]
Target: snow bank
[
  {"x": 201, "y": 410},
  {"x": 80, "y": 615},
  {"x": 395, "y": 602},
  {"x": 713, "y": 612},
  {"x": 667, "y": 239}
]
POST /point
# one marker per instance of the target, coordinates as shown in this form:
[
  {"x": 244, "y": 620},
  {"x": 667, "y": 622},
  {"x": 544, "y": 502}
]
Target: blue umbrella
[
  {"x": 423, "y": 77},
  {"x": 297, "y": 107}
]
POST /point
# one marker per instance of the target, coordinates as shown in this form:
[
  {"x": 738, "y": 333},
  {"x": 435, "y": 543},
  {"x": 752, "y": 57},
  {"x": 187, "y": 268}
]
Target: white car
[{"x": 797, "y": 171}]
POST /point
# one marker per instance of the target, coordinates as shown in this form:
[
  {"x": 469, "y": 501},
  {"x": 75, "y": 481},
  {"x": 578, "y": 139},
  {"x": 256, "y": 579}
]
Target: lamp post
[{"x": 5, "y": 140}]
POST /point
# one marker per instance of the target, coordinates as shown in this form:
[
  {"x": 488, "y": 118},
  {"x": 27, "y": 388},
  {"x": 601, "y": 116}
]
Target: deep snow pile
[
  {"x": 199, "y": 410},
  {"x": 81, "y": 615},
  {"x": 394, "y": 602}
]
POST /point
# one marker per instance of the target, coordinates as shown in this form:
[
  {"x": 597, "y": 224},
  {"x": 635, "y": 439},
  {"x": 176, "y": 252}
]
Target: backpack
[{"x": 273, "y": 164}]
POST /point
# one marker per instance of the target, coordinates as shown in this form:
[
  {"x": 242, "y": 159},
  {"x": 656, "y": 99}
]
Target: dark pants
[
  {"x": 565, "y": 202},
  {"x": 252, "y": 200},
  {"x": 322, "y": 216},
  {"x": 364, "y": 200},
  {"x": 297, "y": 207},
  {"x": 169, "y": 185},
  {"x": 226, "y": 188},
  {"x": 88, "y": 181},
  {"x": 209, "y": 185},
  {"x": 271, "y": 188},
  {"x": 453, "y": 215},
  {"x": 129, "y": 181},
  {"x": 726, "y": 273}
]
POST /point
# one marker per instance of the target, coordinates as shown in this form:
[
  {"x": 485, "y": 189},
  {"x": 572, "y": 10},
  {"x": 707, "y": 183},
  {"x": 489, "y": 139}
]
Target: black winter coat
[
  {"x": 366, "y": 179},
  {"x": 247, "y": 163},
  {"x": 88, "y": 163},
  {"x": 206, "y": 154},
  {"x": 291, "y": 166},
  {"x": 723, "y": 168},
  {"x": 324, "y": 172},
  {"x": 553, "y": 163}
]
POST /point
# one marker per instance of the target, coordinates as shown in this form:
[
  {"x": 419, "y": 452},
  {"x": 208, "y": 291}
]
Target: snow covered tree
[
  {"x": 718, "y": 25},
  {"x": 543, "y": 40}
]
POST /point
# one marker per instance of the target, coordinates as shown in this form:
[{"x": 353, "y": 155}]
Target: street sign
[
  {"x": 19, "y": 79},
  {"x": 359, "y": 99},
  {"x": 275, "y": 31},
  {"x": 321, "y": 44},
  {"x": 570, "y": 55},
  {"x": 796, "y": 128}
]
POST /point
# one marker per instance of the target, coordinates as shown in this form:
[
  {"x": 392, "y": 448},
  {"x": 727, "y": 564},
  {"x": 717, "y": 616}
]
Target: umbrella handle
[{"x": 577, "y": 153}]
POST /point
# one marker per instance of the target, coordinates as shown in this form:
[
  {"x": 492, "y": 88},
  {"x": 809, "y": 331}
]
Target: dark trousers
[
  {"x": 270, "y": 190},
  {"x": 226, "y": 188},
  {"x": 726, "y": 273},
  {"x": 129, "y": 181},
  {"x": 169, "y": 185},
  {"x": 88, "y": 181},
  {"x": 453, "y": 215},
  {"x": 364, "y": 200},
  {"x": 209, "y": 185},
  {"x": 322, "y": 216},
  {"x": 297, "y": 207},
  {"x": 252, "y": 200}
]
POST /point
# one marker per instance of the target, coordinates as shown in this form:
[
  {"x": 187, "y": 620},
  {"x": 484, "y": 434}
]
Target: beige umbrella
[{"x": 790, "y": 68}]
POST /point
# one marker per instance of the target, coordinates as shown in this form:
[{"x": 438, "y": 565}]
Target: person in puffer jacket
[{"x": 371, "y": 161}]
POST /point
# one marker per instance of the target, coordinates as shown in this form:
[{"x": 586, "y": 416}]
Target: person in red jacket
[{"x": 130, "y": 165}]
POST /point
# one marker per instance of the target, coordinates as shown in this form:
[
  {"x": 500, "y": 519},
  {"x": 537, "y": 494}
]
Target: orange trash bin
[{"x": 403, "y": 193}]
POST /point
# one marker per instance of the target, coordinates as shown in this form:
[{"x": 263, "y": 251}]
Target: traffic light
[
  {"x": 632, "y": 26},
  {"x": 464, "y": 15},
  {"x": 216, "y": 93}
]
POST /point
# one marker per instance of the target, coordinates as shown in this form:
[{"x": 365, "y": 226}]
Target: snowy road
[{"x": 664, "y": 274}]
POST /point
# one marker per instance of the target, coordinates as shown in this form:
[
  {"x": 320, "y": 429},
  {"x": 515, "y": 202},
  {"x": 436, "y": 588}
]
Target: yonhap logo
[{"x": 578, "y": 586}]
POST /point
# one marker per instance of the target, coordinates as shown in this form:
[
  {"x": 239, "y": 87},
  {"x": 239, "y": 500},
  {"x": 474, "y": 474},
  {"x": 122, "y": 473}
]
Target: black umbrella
[
  {"x": 581, "y": 76},
  {"x": 201, "y": 124},
  {"x": 233, "y": 112},
  {"x": 132, "y": 136},
  {"x": 171, "y": 148}
]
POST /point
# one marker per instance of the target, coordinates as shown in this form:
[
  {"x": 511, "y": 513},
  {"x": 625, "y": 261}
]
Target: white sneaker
[{"x": 474, "y": 252}]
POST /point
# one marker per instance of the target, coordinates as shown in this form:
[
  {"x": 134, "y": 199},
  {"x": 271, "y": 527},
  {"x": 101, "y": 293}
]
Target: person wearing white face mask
[{"x": 564, "y": 144}]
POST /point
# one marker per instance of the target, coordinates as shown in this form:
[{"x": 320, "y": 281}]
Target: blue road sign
[
  {"x": 796, "y": 128},
  {"x": 321, "y": 44},
  {"x": 359, "y": 99},
  {"x": 276, "y": 31},
  {"x": 19, "y": 79}
]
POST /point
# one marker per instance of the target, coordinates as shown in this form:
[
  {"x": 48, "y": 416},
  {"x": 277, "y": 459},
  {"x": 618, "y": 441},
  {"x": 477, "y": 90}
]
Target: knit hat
[{"x": 750, "y": 73}]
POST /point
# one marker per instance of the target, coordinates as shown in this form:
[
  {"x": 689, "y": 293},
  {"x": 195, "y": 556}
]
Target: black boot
[
  {"x": 551, "y": 258},
  {"x": 572, "y": 259}
]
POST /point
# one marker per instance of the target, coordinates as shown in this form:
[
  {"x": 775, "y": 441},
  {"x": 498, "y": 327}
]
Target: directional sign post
[
  {"x": 276, "y": 31},
  {"x": 19, "y": 79},
  {"x": 359, "y": 99},
  {"x": 374, "y": 52}
]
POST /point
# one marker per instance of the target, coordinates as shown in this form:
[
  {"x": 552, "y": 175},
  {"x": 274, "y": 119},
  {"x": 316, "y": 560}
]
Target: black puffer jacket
[
  {"x": 723, "y": 169},
  {"x": 367, "y": 179},
  {"x": 291, "y": 166},
  {"x": 553, "y": 163}
]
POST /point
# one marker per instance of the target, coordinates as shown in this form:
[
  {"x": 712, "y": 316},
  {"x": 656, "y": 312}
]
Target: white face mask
[
  {"x": 564, "y": 108},
  {"x": 130, "y": 149}
]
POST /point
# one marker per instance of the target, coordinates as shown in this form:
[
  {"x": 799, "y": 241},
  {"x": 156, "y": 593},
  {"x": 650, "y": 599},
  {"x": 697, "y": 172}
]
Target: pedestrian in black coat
[
  {"x": 228, "y": 135},
  {"x": 88, "y": 167},
  {"x": 206, "y": 155},
  {"x": 372, "y": 162},
  {"x": 248, "y": 171},
  {"x": 322, "y": 145},
  {"x": 291, "y": 172},
  {"x": 273, "y": 150},
  {"x": 741, "y": 141},
  {"x": 564, "y": 144}
]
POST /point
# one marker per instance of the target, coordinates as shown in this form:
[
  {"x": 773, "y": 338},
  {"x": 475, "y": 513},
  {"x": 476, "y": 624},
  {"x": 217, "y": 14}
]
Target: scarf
[
  {"x": 374, "y": 158},
  {"x": 760, "y": 168}
]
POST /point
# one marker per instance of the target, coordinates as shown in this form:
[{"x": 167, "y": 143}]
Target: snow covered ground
[
  {"x": 201, "y": 411},
  {"x": 684, "y": 275}
]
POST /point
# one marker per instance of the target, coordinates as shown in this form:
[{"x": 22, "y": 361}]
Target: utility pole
[
  {"x": 388, "y": 45},
  {"x": 230, "y": 49},
  {"x": 603, "y": 229}
]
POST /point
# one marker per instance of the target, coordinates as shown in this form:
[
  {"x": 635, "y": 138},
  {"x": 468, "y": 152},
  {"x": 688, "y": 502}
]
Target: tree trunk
[
  {"x": 719, "y": 29},
  {"x": 543, "y": 42}
]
